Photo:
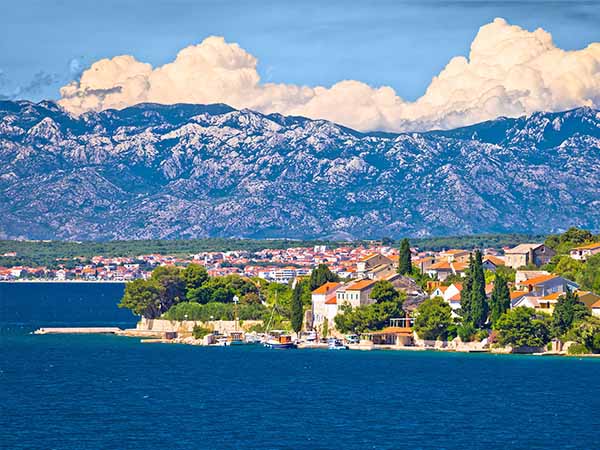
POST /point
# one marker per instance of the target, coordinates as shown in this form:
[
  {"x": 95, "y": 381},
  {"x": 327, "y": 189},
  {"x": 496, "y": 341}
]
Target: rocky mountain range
[{"x": 182, "y": 171}]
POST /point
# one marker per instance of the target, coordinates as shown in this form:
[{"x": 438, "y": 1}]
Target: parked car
[{"x": 352, "y": 339}]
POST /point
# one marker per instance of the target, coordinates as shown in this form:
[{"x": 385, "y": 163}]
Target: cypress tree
[
  {"x": 465, "y": 295},
  {"x": 479, "y": 304},
  {"x": 321, "y": 275},
  {"x": 500, "y": 299},
  {"x": 297, "y": 313},
  {"x": 325, "y": 329},
  {"x": 404, "y": 258}
]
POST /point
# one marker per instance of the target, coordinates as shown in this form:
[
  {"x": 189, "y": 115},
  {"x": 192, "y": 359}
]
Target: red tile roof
[
  {"x": 327, "y": 287},
  {"x": 538, "y": 280},
  {"x": 588, "y": 246},
  {"x": 360, "y": 285}
]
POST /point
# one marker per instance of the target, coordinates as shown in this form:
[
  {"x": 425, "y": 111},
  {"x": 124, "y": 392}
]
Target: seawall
[{"x": 187, "y": 326}]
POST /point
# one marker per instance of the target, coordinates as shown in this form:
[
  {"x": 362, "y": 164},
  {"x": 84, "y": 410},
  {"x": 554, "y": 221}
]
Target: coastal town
[
  {"x": 334, "y": 285},
  {"x": 277, "y": 265},
  {"x": 284, "y": 265}
]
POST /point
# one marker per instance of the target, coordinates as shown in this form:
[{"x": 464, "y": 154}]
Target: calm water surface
[{"x": 108, "y": 392}]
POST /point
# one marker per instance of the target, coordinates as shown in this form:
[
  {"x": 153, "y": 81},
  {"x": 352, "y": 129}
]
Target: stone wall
[{"x": 187, "y": 326}]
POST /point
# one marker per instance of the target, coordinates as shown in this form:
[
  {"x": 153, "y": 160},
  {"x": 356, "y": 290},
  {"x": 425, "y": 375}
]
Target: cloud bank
[{"x": 509, "y": 72}]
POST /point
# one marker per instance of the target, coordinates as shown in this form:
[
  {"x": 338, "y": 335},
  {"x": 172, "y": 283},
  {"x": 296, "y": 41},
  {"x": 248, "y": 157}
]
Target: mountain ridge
[{"x": 183, "y": 171}]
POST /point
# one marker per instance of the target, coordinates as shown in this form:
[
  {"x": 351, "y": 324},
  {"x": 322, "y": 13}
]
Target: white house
[
  {"x": 585, "y": 251},
  {"x": 356, "y": 293},
  {"x": 451, "y": 294},
  {"x": 596, "y": 309},
  {"x": 324, "y": 304}
]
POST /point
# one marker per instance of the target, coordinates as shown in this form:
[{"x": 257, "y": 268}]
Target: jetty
[{"x": 79, "y": 330}]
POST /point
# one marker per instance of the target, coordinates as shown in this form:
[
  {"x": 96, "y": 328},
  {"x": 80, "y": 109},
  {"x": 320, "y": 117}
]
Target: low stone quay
[{"x": 79, "y": 330}]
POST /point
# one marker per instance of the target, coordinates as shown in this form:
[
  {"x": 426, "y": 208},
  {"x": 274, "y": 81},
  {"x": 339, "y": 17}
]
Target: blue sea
[{"x": 109, "y": 392}]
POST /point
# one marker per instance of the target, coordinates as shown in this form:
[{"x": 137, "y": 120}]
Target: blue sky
[{"x": 44, "y": 44}]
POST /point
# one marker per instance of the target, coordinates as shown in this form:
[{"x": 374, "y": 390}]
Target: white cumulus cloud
[{"x": 509, "y": 72}]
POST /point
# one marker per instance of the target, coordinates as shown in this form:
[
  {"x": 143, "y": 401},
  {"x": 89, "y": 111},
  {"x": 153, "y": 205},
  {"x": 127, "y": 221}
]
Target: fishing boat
[
  {"x": 336, "y": 344},
  {"x": 279, "y": 340}
]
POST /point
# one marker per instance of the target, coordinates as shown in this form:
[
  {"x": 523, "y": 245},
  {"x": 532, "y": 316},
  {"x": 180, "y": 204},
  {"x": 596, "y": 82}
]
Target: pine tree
[
  {"x": 466, "y": 294},
  {"x": 404, "y": 258},
  {"x": 297, "y": 313},
  {"x": 568, "y": 309},
  {"x": 499, "y": 300},
  {"x": 479, "y": 304}
]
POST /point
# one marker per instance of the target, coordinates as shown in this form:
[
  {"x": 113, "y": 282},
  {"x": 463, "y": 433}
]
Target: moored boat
[
  {"x": 336, "y": 344},
  {"x": 221, "y": 341},
  {"x": 253, "y": 338},
  {"x": 279, "y": 340},
  {"x": 236, "y": 338}
]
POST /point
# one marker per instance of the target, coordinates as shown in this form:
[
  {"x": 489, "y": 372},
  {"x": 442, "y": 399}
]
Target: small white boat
[
  {"x": 310, "y": 336},
  {"x": 336, "y": 344},
  {"x": 253, "y": 338},
  {"x": 222, "y": 342}
]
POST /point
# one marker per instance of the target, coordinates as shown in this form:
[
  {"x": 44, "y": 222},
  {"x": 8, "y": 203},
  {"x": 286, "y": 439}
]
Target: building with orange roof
[
  {"x": 588, "y": 298},
  {"x": 516, "y": 295},
  {"x": 424, "y": 263},
  {"x": 356, "y": 293},
  {"x": 443, "y": 269},
  {"x": 491, "y": 262},
  {"x": 457, "y": 255},
  {"x": 438, "y": 291},
  {"x": 544, "y": 285},
  {"x": 583, "y": 252},
  {"x": 596, "y": 309},
  {"x": 547, "y": 284}
]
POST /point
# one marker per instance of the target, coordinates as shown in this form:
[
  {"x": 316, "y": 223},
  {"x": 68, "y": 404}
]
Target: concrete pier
[{"x": 79, "y": 330}]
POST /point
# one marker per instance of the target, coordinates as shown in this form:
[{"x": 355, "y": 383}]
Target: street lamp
[{"x": 236, "y": 300}]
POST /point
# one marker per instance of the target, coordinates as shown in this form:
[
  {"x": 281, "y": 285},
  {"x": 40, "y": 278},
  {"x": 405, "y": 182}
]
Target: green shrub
[
  {"x": 577, "y": 349},
  {"x": 549, "y": 346},
  {"x": 199, "y": 331},
  {"x": 452, "y": 332},
  {"x": 481, "y": 335},
  {"x": 466, "y": 332},
  {"x": 215, "y": 311}
]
